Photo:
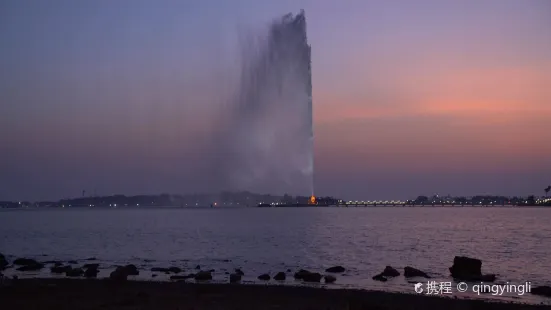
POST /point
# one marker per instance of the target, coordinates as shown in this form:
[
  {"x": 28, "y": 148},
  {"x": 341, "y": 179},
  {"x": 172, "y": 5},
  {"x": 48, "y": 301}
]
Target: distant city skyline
[
  {"x": 249, "y": 199},
  {"x": 409, "y": 97}
]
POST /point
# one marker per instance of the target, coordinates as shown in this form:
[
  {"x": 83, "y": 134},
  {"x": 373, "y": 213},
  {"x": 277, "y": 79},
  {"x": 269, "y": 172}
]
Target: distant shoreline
[
  {"x": 247, "y": 199},
  {"x": 91, "y": 294},
  {"x": 283, "y": 207}
]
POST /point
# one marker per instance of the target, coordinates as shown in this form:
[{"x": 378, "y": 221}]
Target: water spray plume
[{"x": 270, "y": 136}]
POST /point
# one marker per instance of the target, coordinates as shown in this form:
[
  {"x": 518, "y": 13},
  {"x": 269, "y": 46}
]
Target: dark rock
[
  {"x": 299, "y": 275},
  {"x": 226, "y": 272},
  {"x": 212, "y": 270},
  {"x": 288, "y": 270},
  {"x": 203, "y": 276},
  {"x": 60, "y": 269},
  {"x": 234, "y": 278},
  {"x": 469, "y": 269},
  {"x": 25, "y": 262},
  {"x": 91, "y": 272},
  {"x": 72, "y": 262},
  {"x": 379, "y": 277},
  {"x": 264, "y": 277},
  {"x": 159, "y": 269},
  {"x": 3, "y": 262},
  {"x": 131, "y": 270},
  {"x": 390, "y": 272},
  {"x": 239, "y": 272},
  {"x": 308, "y": 276},
  {"x": 31, "y": 267},
  {"x": 90, "y": 266},
  {"x": 91, "y": 258},
  {"x": 153, "y": 275},
  {"x": 280, "y": 276},
  {"x": 198, "y": 267},
  {"x": 541, "y": 290},
  {"x": 175, "y": 269},
  {"x": 466, "y": 266},
  {"x": 76, "y": 272},
  {"x": 122, "y": 272},
  {"x": 410, "y": 272},
  {"x": 311, "y": 277},
  {"x": 119, "y": 274},
  {"x": 329, "y": 279},
  {"x": 336, "y": 269}
]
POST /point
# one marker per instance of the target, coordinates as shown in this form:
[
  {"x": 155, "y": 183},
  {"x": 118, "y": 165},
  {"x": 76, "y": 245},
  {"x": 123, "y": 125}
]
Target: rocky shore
[
  {"x": 197, "y": 281},
  {"x": 74, "y": 294}
]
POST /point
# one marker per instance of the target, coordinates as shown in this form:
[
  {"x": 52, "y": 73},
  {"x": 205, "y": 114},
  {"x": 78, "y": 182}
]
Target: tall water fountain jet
[{"x": 271, "y": 133}]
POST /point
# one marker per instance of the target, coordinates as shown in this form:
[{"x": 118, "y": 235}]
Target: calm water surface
[{"x": 514, "y": 243}]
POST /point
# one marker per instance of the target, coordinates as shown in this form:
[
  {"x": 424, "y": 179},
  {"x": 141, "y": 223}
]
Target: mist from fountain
[{"x": 268, "y": 140}]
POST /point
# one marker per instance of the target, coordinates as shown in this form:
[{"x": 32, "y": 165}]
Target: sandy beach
[{"x": 105, "y": 294}]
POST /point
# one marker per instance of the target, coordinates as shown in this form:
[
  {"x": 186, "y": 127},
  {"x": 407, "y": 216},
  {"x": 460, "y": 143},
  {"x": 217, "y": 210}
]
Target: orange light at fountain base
[{"x": 312, "y": 200}]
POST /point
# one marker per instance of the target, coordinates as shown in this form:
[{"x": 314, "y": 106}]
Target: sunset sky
[{"x": 410, "y": 97}]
